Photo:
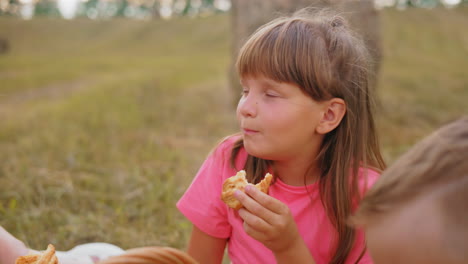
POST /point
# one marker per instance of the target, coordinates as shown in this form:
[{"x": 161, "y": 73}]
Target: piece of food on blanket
[{"x": 46, "y": 257}]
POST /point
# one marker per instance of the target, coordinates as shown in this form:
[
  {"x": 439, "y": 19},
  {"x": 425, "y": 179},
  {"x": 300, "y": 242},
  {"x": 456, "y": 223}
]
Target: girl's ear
[{"x": 334, "y": 111}]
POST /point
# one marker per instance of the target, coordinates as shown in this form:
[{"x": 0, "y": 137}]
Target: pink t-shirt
[{"x": 202, "y": 205}]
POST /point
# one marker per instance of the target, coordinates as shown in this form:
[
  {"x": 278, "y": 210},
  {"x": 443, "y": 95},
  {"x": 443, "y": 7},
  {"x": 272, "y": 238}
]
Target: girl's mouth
[{"x": 247, "y": 131}]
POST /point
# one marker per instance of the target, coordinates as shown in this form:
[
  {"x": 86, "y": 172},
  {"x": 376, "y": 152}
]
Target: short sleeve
[
  {"x": 201, "y": 203},
  {"x": 367, "y": 179},
  {"x": 366, "y": 258}
]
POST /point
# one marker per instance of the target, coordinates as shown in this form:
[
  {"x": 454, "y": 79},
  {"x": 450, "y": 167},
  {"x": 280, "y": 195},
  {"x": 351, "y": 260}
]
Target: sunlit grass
[{"x": 104, "y": 123}]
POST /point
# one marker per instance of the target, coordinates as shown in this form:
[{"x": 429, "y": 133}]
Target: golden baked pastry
[
  {"x": 238, "y": 182},
  {"x": 151, "y": 255},
  {"x": 46, "y": 257}
]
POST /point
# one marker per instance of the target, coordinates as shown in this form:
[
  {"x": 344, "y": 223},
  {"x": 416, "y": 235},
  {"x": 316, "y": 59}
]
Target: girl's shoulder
[
  {"x": 231, "y": 151},
  {"x": 225, "y": 145},
  {"x": 367, "y": 178},
  {"x": 229, "y": 141}
]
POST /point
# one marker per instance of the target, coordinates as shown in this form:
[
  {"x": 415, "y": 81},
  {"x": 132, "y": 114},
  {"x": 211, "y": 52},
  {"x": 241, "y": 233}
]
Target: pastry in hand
[
  {"x": 238, "y": 182},
  {"x": 46, "y": 257}
]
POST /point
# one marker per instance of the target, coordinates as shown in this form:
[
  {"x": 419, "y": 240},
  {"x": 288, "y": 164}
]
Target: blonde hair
[
  {"x": 318, "y": 52},
  {"x": 436, "y": 164}
]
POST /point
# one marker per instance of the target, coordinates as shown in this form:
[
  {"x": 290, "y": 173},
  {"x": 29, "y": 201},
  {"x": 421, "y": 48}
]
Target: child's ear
[{"x": 334, "y": 111}]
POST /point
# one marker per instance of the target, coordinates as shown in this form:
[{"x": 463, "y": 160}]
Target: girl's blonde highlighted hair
[{"x": 317, "y": 51}]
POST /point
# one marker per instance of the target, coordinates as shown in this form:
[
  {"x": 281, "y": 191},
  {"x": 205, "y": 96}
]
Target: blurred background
[{"x": 109, "y": 107}]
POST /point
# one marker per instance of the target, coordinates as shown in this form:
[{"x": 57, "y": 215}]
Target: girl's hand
[{"x": 268, "y": 220}]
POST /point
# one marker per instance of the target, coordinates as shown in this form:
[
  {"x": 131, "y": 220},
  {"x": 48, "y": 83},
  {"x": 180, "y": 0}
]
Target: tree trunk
[{"x": 248, "y": 15}]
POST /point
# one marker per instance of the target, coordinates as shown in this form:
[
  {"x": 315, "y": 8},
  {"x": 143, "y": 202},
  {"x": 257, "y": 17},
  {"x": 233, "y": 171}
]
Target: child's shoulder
[
  {"x": 370, "y": 173},
  {"x": 230, "y": 140},
  {"x": 224, "y": 151},
  {"x": 367, "y": 178},
  {"x": 226, "y": 144}
]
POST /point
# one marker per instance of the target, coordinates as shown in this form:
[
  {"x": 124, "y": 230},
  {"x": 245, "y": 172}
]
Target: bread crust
[{"x": 238, "y": 182}]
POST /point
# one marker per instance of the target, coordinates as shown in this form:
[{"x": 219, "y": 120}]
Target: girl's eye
[
  {"x": 244, "y": 92},
  {"x": 271, "y": 94}
]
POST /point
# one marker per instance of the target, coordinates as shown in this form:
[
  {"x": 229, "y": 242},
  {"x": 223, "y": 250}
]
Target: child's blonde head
[{"x": 317, "y": 51}]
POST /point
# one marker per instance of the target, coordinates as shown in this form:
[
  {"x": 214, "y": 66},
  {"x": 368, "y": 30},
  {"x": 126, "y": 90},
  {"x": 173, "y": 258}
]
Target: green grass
[
  {"x": 104, "y": 123},
  {"x": 424, "y": 80}
]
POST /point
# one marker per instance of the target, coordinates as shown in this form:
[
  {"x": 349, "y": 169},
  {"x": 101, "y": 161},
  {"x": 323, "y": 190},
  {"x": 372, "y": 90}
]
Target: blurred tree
[
  {"x": 200, "y": 6},
  {"x": 10, "y": 7},
  {"x": 90, "y": 8},
  {"x": 155, "y": 6},
  {"x": 248, "y": 15},
  {"x": 208, "y": 5},
  {"x": 121, "y": 6},
  {"x": 188, "y": 6},
  {"x": 423, "y": 3},
  {"x": 46, "y": 8}
]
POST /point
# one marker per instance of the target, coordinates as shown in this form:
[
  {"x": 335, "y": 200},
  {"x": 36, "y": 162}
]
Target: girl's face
[{"x": 278, "y": 120}]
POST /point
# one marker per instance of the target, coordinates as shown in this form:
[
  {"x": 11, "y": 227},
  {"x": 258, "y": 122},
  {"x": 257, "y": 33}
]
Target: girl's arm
[
  {"x": 10, "y": 247},
  {"x": 205, "y": 248}
]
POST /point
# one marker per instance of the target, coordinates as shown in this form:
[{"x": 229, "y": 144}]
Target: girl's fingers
[
  {"x": 266, "y": 219},
  {"x": 253, "y": 222},
  {"x": 253, "y": 206},
  {"x": 251, "y": 231},
  {"x": 265, "y": 200}
]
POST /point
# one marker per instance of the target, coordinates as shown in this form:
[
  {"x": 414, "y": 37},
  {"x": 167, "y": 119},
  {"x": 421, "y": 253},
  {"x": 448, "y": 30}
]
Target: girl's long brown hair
[{"x": 317, "y": 51}]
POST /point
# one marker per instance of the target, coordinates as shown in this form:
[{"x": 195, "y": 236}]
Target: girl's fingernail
[
  {"x": 236, "y": 193},
  {"x": 248, "y": 188}
]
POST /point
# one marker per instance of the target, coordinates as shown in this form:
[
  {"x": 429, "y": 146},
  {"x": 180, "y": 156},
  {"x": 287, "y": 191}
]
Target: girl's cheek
[{"x": 238, "y": 110}]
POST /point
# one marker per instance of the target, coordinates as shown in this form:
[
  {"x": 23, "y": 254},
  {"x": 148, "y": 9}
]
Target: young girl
[{"x": 305, "y": 116}]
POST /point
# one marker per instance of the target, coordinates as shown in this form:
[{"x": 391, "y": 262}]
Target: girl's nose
[{"x": 247, "y": 106}]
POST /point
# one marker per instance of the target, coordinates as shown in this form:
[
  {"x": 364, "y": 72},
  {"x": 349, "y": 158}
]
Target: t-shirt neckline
[{"x": 296, "y": 189}]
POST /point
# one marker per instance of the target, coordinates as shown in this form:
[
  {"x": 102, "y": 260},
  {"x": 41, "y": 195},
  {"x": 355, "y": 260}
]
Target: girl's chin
[
  {"x": 257, "y": 152},
  {"x": 251, "y": 150}
]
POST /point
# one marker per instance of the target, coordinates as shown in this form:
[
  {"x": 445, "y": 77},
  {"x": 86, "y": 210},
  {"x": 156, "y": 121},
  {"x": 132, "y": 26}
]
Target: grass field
[{"x": 104, "y": 123}]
